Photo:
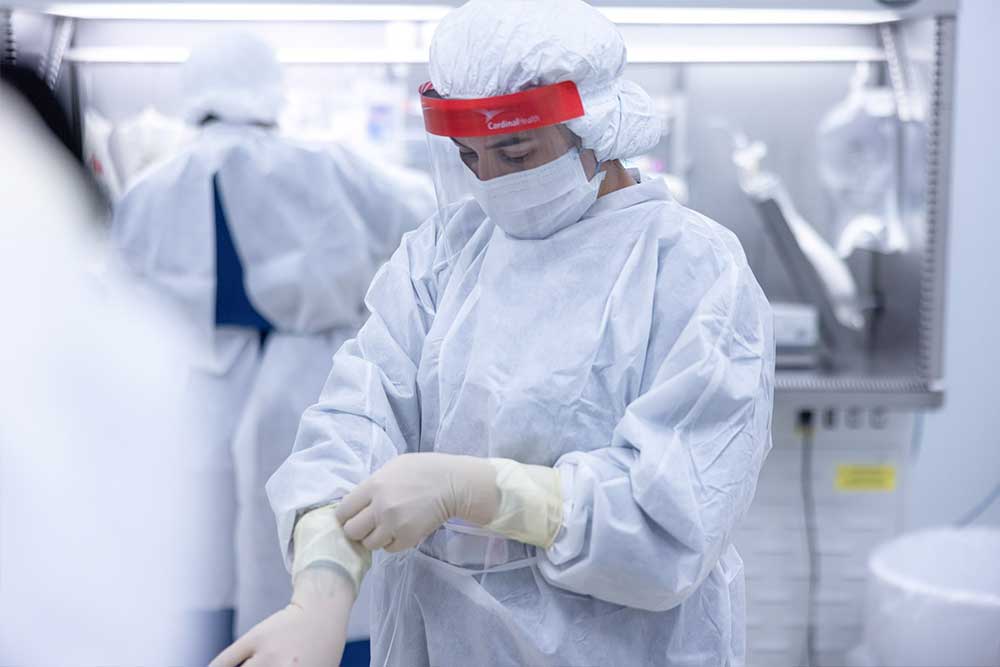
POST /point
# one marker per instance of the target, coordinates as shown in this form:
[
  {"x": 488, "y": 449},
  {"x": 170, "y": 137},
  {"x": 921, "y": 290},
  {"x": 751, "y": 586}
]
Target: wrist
[
  {"x": 480, "y": 497},
  {"x": 530, "y": 507},
  {"x": 320, "y": 542},
  {"x": 325, "y": 586}
]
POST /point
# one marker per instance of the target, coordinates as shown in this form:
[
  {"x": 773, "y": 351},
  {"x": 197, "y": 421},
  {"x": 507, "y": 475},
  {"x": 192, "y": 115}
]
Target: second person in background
[{"x": 268, "y": 246}]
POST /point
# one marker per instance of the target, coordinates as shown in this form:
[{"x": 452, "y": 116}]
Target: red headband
[{"x": 504, "y": 114}]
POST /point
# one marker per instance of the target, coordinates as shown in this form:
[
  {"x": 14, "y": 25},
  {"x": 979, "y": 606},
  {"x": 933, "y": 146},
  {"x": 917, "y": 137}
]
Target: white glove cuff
[
  {"x": 319, "y": 538},
  {"x": 531, "y": 505}
]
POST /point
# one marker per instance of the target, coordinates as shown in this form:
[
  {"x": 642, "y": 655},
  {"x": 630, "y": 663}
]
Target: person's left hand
[
  {"x": 310, "y": 632},
  {"x": 412, "y": 495}
]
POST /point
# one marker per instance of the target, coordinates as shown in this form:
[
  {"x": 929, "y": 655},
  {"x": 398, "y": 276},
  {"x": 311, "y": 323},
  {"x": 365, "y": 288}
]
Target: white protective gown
[
  {"x": 311, "y": 227},
  {"x": 634, "y": 352}
]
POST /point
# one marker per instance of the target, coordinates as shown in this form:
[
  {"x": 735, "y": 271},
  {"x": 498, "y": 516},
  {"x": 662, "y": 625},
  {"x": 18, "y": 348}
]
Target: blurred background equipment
[
  {"x": 859, "y": 160},
  {"x": 144, "y": 140},
  {"x": 834, "y": 169},
  {"x": 822, "y": 279}
]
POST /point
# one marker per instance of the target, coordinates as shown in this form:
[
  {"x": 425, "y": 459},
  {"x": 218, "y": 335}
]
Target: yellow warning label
[{"x": 866, "y": 478}]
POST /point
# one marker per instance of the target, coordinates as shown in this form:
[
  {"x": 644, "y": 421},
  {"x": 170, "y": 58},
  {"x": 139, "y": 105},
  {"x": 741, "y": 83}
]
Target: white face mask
[{"x": 537, "y": 203}]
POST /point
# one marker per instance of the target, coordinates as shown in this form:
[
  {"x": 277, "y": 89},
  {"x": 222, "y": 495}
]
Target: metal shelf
[{"x": 817, "y": 388}]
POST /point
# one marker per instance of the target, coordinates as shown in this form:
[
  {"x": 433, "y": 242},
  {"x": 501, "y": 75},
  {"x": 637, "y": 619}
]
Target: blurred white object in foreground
[{"x": 98, "y": 533}]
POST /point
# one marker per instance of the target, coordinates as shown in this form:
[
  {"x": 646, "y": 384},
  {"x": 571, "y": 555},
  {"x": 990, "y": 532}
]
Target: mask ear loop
[
  {"x": 578, "y": 144},
  {"x": 598, "y": 164},
  {"x": 597, "y": 169}
]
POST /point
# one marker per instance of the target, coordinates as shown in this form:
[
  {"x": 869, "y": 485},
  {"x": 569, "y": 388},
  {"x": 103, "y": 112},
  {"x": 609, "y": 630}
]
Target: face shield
[{"x": 512, "y": 159}]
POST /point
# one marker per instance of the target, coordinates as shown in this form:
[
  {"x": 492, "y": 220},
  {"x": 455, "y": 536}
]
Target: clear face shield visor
[{"x": 511, "y": 157}]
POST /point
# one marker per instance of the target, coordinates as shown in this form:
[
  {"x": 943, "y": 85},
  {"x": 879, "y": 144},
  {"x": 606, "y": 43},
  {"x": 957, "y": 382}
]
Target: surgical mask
[{"x": 537, "y": 203}]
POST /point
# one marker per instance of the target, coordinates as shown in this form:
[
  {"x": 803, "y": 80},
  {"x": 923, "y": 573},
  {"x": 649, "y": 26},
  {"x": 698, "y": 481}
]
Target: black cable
[
  {"x": 916, "y": 441},
  {"x": 979, "y": 508},
  {"x": 806, "y": 429}
]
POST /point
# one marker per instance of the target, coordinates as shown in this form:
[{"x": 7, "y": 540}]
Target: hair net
[
  {"x": 236, "y": 77},
  {"x": 495, "y": 47}
]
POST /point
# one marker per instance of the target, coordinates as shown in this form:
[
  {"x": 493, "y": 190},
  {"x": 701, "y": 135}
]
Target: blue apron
[{"x": 232, "y": 305}]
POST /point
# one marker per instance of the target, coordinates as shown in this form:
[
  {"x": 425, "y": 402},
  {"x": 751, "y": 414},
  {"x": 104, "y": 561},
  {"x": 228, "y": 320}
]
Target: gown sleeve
[
  {"x": 646, "y": 518},
  {"x": 369, "y": 409}
]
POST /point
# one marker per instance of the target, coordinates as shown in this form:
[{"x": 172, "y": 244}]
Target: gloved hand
[
  {"x": 310, "y": 632},
  {"x": 413, "y": 494},
  {"x": 409, "y": 498}
]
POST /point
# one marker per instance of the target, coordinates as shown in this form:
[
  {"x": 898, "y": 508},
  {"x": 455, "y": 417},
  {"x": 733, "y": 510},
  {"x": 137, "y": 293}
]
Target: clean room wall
[{"x": 959, "y": 460}]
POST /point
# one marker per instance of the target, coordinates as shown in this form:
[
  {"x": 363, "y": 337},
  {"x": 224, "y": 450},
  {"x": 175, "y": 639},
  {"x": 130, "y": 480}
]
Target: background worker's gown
[{"x": 268, "y": 247}]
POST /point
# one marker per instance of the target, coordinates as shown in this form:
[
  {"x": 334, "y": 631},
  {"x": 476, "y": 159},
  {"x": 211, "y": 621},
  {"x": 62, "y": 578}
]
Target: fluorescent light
[
  {"x": 127, "y": 55},
  {"x": 289, "y": 56},
  {"x": 652, "y": 55},
  {"x": 334, "y": 56},
  {"x": 734, "y": 16},
  {"x": 754, "y": 54},
  {"x": 196, "y": 11}
]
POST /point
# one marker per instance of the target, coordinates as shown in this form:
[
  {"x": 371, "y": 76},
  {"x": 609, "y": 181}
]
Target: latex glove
[
  {"x": 319, "y": 539},
  {"x": 310, "y": 632},
  {"x": 531, "y": 502},
  {"x": 412, "y": 495}
]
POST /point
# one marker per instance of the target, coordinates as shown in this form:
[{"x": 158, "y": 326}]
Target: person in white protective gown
[
  {"x": 538, "y": 446},
  {"x": 269, "y": 247}
]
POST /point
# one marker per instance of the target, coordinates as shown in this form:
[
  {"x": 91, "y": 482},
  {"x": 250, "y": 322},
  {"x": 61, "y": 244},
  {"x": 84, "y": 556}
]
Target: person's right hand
[{"x": 309, "y": 632}]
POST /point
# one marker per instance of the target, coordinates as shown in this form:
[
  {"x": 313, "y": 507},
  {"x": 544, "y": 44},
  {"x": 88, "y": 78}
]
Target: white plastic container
[{"x": 934, "y": 601}]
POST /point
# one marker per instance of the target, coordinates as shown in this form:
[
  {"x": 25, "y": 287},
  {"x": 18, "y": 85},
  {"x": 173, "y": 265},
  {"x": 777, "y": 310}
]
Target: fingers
[
  {"x": 354, "y": 502},
  {"x": 395, "y": 546},
  {"x": 364, "y": 528},
  {"x": 239, "y": 651},
  {"x": 379, "y": 537},
  {"x": 361, "y": 525}
]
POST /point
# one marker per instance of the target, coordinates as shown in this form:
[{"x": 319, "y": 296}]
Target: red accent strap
[{"x": 504, "y": 114}]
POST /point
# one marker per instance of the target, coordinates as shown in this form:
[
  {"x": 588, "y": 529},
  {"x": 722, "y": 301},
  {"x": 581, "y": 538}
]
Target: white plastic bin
[{"x": 934, "y": 601}]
